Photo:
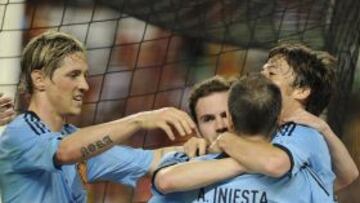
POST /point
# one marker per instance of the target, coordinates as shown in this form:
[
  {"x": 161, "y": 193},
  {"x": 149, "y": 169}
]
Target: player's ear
[
  {"x": 230, "y": 121},
  {"x": 38, "y": 80},
  {"x": 302, "y": 93}
]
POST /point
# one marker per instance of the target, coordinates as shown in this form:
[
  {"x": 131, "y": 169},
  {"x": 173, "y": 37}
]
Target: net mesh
[
  {"x": 241, "y": 23},
  {"x": 146, "y": 54}
]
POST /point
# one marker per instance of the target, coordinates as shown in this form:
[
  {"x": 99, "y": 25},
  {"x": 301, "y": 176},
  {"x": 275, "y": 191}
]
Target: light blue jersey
[
  {"x": 28, "y": 174},
  {"x": 309, "y": 180}
]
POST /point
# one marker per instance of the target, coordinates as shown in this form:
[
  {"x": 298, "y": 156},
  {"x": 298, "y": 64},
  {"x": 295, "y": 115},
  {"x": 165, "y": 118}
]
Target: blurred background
[{"x": 147, "y": 54}]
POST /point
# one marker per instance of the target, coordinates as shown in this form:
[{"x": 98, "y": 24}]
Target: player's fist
[
  {"x": 7, "y": 112},
  {"x": 195, "y": 146}
]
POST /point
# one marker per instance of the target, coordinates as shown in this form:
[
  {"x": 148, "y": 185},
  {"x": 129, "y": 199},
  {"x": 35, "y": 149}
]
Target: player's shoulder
[
  {"x": 292, "y": 129},
  {"x": 20, "y": 123},
  {"x": 23, "y": 127},
  {"x": 175, "y": 157}
]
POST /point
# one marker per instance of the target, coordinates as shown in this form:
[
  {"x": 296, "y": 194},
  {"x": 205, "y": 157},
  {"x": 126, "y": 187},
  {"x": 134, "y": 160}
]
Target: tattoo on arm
[{"x": 96, "y": 146}]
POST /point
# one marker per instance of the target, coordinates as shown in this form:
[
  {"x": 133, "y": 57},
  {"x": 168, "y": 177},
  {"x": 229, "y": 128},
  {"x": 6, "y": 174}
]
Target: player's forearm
[
  {"x": 344, "y": 166},
  {"x": 90, "y": 141},
  {"x": 195, "y": 174},
  {"x": 256, "y": 156}
]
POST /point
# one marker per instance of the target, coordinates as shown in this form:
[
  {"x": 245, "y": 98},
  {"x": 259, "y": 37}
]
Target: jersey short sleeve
[
  {"x": 120, "y": 164},
  {"x": 170, "y": 159},
  {"x": 28, "y": 151},
  {"x": 173, "y": 158},
  {"x": 300, "y": 143}
]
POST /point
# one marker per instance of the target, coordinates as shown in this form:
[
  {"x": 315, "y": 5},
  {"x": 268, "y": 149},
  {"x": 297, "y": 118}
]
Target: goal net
[{"x": 147, "y": 54}]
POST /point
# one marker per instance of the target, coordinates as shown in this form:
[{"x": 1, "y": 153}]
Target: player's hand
[
  {"x": 166, "y": 119},
  {"x": 304, "y": 117},
  {"x": 215, "y": 145},
  {"x": 195, "y": 146},
  {"x": 7, "y": 112},
  {"x": 219, "y": 144}
]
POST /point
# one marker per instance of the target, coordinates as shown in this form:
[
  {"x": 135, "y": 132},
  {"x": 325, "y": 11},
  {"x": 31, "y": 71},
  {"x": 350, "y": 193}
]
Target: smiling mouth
[{"x": 78, "y": 98}]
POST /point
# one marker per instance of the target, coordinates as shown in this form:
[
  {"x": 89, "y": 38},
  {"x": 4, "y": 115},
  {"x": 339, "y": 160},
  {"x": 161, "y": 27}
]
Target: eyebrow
[{"x": 78, "y": 70}]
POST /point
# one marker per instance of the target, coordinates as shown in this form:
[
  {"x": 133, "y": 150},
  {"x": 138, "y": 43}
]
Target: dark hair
[
  {"x": 205, "y": 88},
  {"x": 254, "y": 105},
  {"x": 313, "y": 69}
]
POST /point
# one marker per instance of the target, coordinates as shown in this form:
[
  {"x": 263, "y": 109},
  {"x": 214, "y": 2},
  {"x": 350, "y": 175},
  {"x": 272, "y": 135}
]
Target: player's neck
[
  {"x": 46, "y": 113},
  {"x": 288, "y": 110},
  {"x": 256, "y": 137}
]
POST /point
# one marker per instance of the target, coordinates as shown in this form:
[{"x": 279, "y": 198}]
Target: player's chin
[{"x": 75, "y": 111}]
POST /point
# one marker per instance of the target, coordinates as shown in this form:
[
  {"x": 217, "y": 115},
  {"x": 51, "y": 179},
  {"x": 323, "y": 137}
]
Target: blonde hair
[{"x": 46, "y": 52}]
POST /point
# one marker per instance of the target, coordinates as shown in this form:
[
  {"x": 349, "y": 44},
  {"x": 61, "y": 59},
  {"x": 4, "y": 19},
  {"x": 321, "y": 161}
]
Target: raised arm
[
  {"x": 90, "y": 141},
  {"x": 344, "y": 166}
]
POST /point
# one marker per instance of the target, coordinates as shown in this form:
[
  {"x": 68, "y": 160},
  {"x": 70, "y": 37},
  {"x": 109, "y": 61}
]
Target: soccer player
[
  {"x": 278, "y": 161},
  {"x": 306, "y": 80},
  {"x": 43, "y": 158},
  {"x": 250, "y": 97}
]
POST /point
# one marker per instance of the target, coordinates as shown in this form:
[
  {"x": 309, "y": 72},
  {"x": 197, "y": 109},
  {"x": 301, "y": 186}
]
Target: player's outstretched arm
[
  {"x": 90, "y": 141},
  {"x": 344, "y": 166},
  {"x": 195, "y": 174},
  {"x": 7, "y": 112},
  {"x": 257, "y": 156}
]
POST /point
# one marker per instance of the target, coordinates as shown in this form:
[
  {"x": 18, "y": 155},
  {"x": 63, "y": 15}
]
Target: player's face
[
  {"x": 279, "y": 72},
  {"x": 66, "y": 89},
  {"x": 211, "y": 115}
]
